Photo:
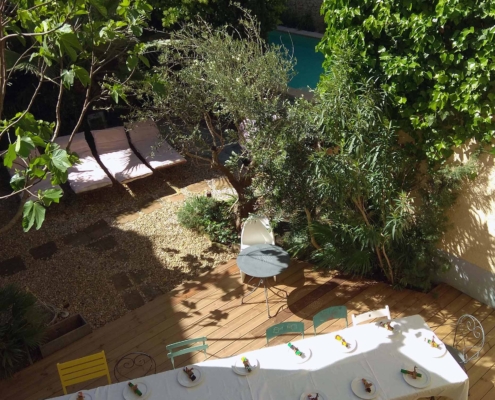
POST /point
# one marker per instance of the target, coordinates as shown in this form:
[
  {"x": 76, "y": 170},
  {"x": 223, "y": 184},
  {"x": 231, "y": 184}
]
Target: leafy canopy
[{"x": 434, "y": 58}]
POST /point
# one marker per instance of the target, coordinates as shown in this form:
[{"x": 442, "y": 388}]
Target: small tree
[
  {"x": 61, "y": 43},
  {"x": 214, "y": 86}
]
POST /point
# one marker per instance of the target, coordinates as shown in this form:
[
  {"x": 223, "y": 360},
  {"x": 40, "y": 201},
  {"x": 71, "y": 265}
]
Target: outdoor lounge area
[{"x": 210, "y": 307}]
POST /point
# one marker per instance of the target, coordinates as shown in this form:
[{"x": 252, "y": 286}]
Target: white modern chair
[
  {"x": 256, "y": 230},
  {"x": 381, "y": 313}
]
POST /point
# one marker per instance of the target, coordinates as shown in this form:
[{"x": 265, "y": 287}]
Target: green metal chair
[
  {"x": 284, "y": 327},
  {"x": 329, "y": 313},
  {"x": 171, "y": 354}
]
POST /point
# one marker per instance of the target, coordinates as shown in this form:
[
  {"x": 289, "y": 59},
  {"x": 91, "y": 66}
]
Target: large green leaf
[
  {"x": 33, "y": 214},
  {"x": 60, "y": 160},
  {"x": 24, "y": 145},
  {"x": 99, "y": 5},
  {"x": 82, "y": 75},
  {"x": 51, "y": 196},
  {"x": 10, "y": 156},
  {"x": 17, "y": 181}
]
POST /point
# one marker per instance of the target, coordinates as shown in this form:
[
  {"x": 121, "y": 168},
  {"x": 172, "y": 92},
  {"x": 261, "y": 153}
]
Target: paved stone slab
[
  {"x": 121, "y": 281},
  {"x": 44, "y": 251},
  {"x": 133, "y": 300},
  {"x": 12, "y": 266},
  {"x": 138, "y": 276},
  {"x": 150, "y": 291},
  {"x": 120, "y": 255},
  {"x": 155, "y": 205},
  {"x": 175, "y": 198},
  {"x": 199, "y": 187},
  {"x": 105, "y": 244},
  {"x": 221, "y": 183},
  {"x": 88, "y": 234},
  {"x": 127, "y": 217}
]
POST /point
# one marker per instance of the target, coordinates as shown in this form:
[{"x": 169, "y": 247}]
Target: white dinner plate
[
  {"x": 419, "y": 383},
  {"x": 321, "y": 396},
  {"x": 130, "y": 395},
  {"x": 87, "y": 395},
  {"x": 299, "y": 359},
  {"x": 358, "y": 389},
  {"x": 426, "y": 348},
  {"x": 239, "y": 368},
  {"x": 352, "y": 344},
  {"x": 184, "y": 379}
]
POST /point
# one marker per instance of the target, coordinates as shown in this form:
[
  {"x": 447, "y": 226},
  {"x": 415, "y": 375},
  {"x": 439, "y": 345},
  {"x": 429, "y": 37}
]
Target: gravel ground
[{"x": 147, "y": 256}]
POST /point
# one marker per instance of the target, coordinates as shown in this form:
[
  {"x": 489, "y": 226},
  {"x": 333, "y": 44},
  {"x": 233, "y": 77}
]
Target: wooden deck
[{"x": 210, "y": 306}]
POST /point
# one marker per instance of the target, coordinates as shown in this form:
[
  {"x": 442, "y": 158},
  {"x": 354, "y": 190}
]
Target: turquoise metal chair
[
  {"x": 284, "y": 327},
  {"x": 329, "y": 313},
  {"x": 171, "y": 354}
]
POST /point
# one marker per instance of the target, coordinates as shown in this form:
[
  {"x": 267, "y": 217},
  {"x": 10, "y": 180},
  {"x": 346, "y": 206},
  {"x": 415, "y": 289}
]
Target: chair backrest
[
  {"x": 283, "y": 328},
  {"x": 469, "y": 337},
  {"x": 329, "y": 313},
  {"x": 256, "y": 230},
  {"x": 83, "y": 369},
  {"x": 184, "y": 350},
  {"x": 134, "y": 365},
  {"x": 381, "y": 313}
]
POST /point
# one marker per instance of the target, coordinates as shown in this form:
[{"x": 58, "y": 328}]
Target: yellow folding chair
[{"x": 83, "y": 369}]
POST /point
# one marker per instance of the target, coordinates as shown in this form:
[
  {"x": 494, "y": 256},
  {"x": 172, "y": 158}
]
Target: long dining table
[{"x": 328, "y": 369}]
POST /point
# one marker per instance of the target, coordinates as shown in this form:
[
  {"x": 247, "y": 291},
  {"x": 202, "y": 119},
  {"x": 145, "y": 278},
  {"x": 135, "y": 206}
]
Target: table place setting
[
  {"x": 391, "y": 327},
  {"x": 243, "y": 366},
  {"x": 364, "y": 388},
  {"x": 82, "y": 395},
  {"x": 190, "y": 376},
  {"x": 136, "y": 389},
  {"x": 299, "y": 355},
  {"x": 430, "y": 344},
  {"x": 345, "y": 345},
  {"x": 417, "y": 377},
  {"x": 314, "y": 395}
]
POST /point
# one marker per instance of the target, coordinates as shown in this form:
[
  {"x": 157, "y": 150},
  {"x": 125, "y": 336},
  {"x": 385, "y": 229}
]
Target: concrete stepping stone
[
  {"x": 105, "y": 244},
  {"x": 133, "y": 300},
  {"x": 44, "y": 251},
  {"x": 89, "y": 234},
  {"x": 150, "y": 291},
  {"x": 12, "y": 266},
  {"x": 121, "y": 281}
]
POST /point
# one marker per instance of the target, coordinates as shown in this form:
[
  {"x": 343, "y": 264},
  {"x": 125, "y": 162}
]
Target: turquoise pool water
[{"x": 308, "y": 61}]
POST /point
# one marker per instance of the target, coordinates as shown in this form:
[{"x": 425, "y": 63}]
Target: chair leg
[
  {"x": 243, "y": 277},
  {"x": 173, "y": 364}
]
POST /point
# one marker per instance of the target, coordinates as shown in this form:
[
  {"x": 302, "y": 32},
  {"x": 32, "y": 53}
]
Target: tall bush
[
  {"x": 338, "y": 165},
  {"x": 434, "y": 58}
]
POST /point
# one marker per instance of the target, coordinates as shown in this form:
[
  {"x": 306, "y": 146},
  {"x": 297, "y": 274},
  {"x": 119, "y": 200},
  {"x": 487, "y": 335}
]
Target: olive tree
[{"x": 213, "y": 87}]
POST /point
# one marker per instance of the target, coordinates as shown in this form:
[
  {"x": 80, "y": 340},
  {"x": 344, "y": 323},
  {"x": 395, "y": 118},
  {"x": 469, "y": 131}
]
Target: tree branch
[
  {"x": 17, "y": 215},
  {"x": 59, "y": 103},
  {"x": 310, "y": 229}
]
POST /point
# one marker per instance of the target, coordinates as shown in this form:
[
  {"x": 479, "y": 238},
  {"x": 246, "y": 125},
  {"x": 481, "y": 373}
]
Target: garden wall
[
  {"x": 304, "y": 9},
  {"x": 470, "y": 242}
]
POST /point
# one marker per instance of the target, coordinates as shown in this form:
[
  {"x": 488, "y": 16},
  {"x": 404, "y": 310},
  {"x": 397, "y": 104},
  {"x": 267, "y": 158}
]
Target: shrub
[
  {"x": 21, "y": 328},
  {"x": 210, "y": 216}
]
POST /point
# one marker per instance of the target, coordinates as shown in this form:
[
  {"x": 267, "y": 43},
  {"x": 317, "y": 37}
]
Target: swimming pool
[{"x": 308, "y": 62}]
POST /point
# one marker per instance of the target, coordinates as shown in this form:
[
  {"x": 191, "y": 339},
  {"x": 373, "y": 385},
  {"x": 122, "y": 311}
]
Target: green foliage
[
  {"x": 21, "y": 328},
  {"x": 293, "y": 19},
  {"x": 66, "y": 44},
  {"x": 209, "y": 216},
  {"x": 434, "y": 59},
  {"x": 210, "y": 84},
  {"x": 220, "y": 12},
  {"x": 337, "y": 163}
]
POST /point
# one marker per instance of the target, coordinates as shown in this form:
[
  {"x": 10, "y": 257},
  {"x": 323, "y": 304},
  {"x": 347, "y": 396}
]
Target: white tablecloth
[{"x": 329, "y": 370}]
